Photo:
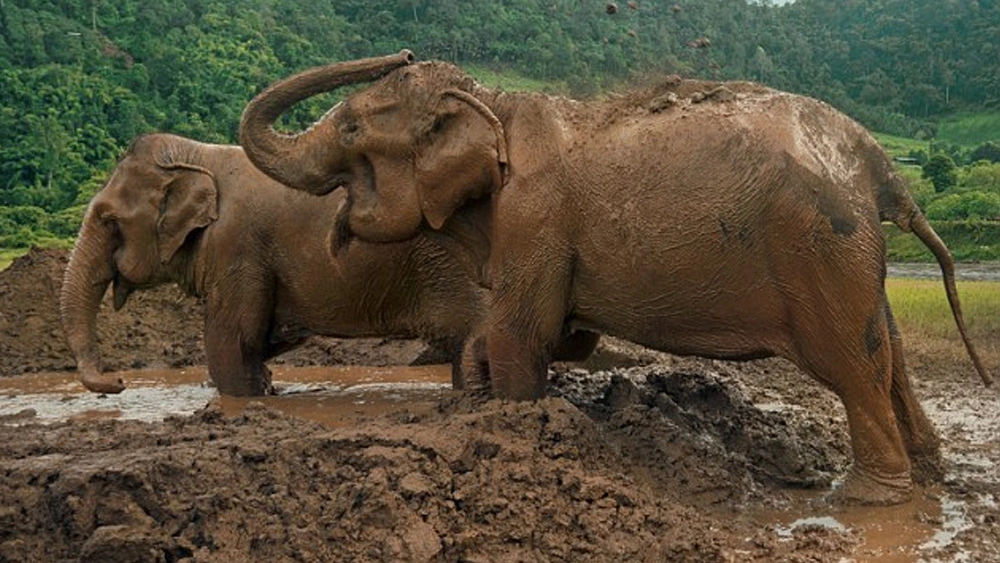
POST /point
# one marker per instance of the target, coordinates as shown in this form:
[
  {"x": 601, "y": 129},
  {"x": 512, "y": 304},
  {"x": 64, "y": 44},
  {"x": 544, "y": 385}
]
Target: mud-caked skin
[
  {"x": 203, "y": 217},
  {"x": 724, "y": 220}
]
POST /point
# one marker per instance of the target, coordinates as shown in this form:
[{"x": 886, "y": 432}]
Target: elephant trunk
[
  {"x": 297, "y": 160},
  {"x": 87, "y": 276}
]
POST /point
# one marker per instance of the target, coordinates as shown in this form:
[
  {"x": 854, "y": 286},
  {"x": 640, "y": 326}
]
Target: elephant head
[
  {"x": 410, "y": 149},
  {"x": 130, "y": 236}
]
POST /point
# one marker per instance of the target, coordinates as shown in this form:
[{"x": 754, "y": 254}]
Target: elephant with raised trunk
[
  {"x": 723, "y": 220},
  {"x": 201, "y": 216}
]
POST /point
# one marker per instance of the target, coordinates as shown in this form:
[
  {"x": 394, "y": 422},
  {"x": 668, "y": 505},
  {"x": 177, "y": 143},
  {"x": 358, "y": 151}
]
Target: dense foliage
[{"x": 80, "y": 78}]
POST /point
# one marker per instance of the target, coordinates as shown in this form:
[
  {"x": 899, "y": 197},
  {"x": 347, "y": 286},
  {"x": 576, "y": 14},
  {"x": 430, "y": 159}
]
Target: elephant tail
[{"x": 896, "y": 205}]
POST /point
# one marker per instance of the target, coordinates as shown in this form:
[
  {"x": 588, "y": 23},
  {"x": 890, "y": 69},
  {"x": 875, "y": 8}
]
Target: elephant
[
  {"x": 726, "y": 220},
  {"x": 202, "y": 216}
]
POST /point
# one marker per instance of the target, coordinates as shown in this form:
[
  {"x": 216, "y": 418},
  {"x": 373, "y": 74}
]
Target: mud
[{"x": 637, "y": 456}]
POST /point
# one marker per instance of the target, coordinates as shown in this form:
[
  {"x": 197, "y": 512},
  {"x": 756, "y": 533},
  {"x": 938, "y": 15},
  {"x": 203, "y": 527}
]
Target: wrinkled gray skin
[
  {"x": 727, "y": 221},
  {"x": 203, "y": 217}
]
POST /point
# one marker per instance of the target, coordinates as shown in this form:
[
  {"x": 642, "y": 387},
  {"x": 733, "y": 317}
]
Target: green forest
[{"x": 80, "y": 78}]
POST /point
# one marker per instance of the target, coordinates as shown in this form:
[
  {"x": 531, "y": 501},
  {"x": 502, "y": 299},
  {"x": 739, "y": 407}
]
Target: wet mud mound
[
  {"x": 157, "y": 328},
  {"x": 624, "y": 477},
  {"x": 638, "y": 456}
]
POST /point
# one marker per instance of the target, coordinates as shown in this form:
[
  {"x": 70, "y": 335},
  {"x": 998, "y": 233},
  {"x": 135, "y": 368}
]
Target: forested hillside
[{"x": 80, "y": 78}]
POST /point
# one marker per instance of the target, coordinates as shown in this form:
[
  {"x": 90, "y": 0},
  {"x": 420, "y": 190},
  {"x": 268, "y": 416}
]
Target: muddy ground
[{"x": 637, "y": 456}]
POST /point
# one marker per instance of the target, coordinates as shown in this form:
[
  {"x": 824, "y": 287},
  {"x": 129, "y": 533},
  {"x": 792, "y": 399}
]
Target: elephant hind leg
[
  {"x": 855, "y": 359},
  {"x": 919, "y": 437}
]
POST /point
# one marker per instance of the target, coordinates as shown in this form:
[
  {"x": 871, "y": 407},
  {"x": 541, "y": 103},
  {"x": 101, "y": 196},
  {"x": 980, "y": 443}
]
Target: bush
[
  {"x": 940, "y": 169},
  {"x": 981, "y": 206},
  {"x": 981, "y": 175},
  {"x": 23, "y": 237},
  {"x": 988, "y": 151},
  {"x": 65, "y": 223},
  {"x": 12, "y": 219}
]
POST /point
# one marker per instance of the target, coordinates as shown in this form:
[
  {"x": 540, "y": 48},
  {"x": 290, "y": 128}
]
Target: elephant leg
[
  {"x": 474, "y": 366},
  {"x": 853, "y": 356},
  {"x": 522, "y": 332},
  {"x": 235, "y": 341},
  {"x": 919, "y": 437}
]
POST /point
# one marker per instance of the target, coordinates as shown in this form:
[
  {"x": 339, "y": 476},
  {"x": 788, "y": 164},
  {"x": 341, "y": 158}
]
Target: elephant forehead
[{"x": 131, "y": 186}]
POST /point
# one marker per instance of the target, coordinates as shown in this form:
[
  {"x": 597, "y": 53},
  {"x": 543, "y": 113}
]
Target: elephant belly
[
  {"x": 720, "y": 308},
  {"x": 318, "y": 316}
]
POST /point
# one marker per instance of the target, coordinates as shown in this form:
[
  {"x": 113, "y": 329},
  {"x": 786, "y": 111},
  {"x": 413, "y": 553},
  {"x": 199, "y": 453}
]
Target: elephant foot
[
  {"x": 103, "y": 383},
  {"x": 927, "y": 467},
  {"x": 474, "y": 370},
  {"x": 863, "y": 488}
]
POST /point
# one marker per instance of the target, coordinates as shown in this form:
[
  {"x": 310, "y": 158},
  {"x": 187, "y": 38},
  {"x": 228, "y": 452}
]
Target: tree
[
  {"x": 940, "y": 169},
  {"x": 989, "y": 151}
]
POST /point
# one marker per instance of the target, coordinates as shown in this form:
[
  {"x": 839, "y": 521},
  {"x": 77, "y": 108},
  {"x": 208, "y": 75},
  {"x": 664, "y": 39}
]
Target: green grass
[
  {"x": 511, "y": 81},
  {"x": 921, "y": 309},
  {"x": 970, "y": 129},
  {"x": 899, "y": 146},
  {"x": 7, "y": 255}
]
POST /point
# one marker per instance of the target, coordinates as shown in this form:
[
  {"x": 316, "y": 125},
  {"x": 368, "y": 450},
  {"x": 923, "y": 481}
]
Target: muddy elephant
[
  {"x": 722, "y": 220},
  {"x": 201, "y": 216}
]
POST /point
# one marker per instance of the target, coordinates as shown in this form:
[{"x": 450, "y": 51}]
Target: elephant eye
[
  {"x": 438, "y": 124},
  {"x": 349, "y": 127}
]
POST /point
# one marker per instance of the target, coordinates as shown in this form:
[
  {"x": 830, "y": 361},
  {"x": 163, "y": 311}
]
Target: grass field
[
  {"x": 899, "y": 146},
  {"x": 970, "y": 129},
  {"x": 925, "y": 321},
  {"x": 7, "y": 255}
]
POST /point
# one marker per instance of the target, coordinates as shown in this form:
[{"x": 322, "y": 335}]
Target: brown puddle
[
  {"x": 339, "y": 396},
  {"x": 886, "y": 534},
  {"x": 334, "y": 396}
]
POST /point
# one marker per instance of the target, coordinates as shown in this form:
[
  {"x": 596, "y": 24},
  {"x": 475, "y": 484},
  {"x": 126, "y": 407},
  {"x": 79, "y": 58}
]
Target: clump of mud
[{"x": 492, "y": 481}]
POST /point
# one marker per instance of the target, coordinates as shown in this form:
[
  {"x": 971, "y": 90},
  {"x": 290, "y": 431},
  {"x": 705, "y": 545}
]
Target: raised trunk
[
  {"x": 87, "y": 277},
  {"x": 296, "y": 160}
]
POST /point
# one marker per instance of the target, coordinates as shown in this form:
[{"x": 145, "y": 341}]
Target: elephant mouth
[
  {"x": 359, "y": 185},
  {"x": 121, "y": 289},
  {"x": 342, "y": 235}
]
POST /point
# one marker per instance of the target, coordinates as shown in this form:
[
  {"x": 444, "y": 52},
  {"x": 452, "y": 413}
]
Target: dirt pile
[{"x": 469, "y": 482}]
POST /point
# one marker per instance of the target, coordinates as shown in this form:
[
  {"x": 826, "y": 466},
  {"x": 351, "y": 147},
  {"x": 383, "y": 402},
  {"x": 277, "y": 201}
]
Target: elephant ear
[
  {"x": 462, "y": 157},
  {"x": 190, "y": 201}
]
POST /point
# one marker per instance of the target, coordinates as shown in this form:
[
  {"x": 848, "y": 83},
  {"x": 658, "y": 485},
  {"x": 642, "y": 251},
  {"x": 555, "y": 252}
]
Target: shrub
[
  {"x": 981, "y": 206},
  {"x": 989, "y": 151},
  {"x": 940, "y": 169}
]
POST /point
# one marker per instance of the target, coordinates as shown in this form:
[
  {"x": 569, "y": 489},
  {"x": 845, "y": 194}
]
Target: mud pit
[{"x": 636, "y": 457}]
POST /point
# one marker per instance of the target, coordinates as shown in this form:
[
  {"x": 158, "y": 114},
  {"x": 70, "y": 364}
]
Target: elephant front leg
[
  {"x": 518, "y": 365},
  {"x": 235, "y": 347},
  {"x": 525, "y": 323}
]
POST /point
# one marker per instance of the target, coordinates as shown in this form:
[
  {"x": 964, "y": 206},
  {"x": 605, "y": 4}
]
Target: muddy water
[
  {"x": 893, "y": 534},
  {"x": 986, "y": 271},
  {"x": 903, "y": 533},
  {"x": 334, "y": 396}
]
